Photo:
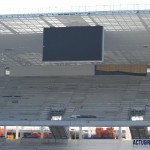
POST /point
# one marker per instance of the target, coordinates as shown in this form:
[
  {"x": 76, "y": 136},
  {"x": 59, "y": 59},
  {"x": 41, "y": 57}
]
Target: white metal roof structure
[
  {"x": 126, "y": 36},
  {"x": 109, "y": 98},
  {"x": 111, "y": 20}
]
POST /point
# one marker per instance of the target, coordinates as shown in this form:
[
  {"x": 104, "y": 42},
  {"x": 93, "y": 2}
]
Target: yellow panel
[{"x": 131, "y": 68}]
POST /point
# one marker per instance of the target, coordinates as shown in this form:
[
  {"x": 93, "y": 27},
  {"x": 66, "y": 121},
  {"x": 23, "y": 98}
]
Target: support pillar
[
  {"x": 80, "y": 133},
  {"x": 75, "y": 134},
  {"x": 89, "y": 132},
  {"x": 120, "y": 134},
  {"x": 128, "y": 134},
  {"x": 17, "y": 132},
  {"x": 21, "y": 132},
  {"x": 5, "y": 131},
  {"x": 42, "y": 132}
]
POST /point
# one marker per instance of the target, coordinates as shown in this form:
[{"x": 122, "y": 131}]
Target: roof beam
[
  {"x": 143, "y": 22},
  {"x": 93, "y": 19},
  {"x": 9, "y": 28},
  {"x": 49, "y": 24}
]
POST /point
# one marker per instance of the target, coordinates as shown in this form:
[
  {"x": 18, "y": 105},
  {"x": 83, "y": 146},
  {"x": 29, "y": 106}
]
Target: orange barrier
[
  {"x": 36, "y": 135},
  {"x": 1, "y": 131},
  {"x": 108, "y": 133}
]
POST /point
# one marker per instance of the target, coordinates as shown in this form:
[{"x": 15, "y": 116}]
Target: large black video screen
[{"x": 80, "y": 43}]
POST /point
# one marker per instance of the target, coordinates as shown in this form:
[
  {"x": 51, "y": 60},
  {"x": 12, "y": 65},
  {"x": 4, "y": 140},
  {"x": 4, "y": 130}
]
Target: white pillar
[
  {"x": 93, "y": 130},
  {"x": 75, "y": 134},
  {"x": 128, "y": 134},
  {"x": 89, "y": 132},
  {"x": 120, "y": 134},
  {"x": 17, "y": 132},
  {"x": 21, "y": 134},
  {"x": 80, "y": 133},
  {"x": 42, "y": 132},
  {"x": 21, "y": 131},
  {"x": 5, "y": 131}
]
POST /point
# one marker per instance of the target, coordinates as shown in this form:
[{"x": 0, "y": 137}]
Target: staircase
[
  {"x": 139, "y": 132},
  {"x": 59, "y": 132}
]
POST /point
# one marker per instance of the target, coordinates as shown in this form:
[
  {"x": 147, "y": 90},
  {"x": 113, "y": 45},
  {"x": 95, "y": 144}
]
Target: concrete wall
[{"x": 50, "y": 70}]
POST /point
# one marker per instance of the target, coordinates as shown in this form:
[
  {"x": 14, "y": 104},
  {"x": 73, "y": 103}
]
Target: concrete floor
[{"x": 71, "y": 145}]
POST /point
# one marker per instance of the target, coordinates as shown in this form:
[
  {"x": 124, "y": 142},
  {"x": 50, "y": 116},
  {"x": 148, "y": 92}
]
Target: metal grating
[{"x": 112, "y": 21}]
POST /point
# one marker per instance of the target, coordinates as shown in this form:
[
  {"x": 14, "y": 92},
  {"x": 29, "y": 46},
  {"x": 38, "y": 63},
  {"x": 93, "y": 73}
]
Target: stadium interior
[{"x": 62, "y": 105}]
